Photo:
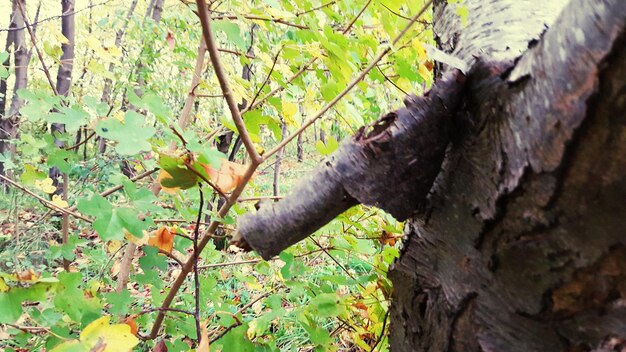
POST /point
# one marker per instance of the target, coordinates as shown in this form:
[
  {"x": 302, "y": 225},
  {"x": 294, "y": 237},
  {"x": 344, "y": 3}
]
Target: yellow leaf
[
  {"x": 103, "y": 336},
  {"x": 114, "y": 246},
  {"x": 424, "y": 72},
  {"x": 45, "y": 185},
  {"x": 163, "y": 238},
  {"x": 59, "y": 202},
  {"x": 93, "y": 43},
  {"x": 289, "y": 112}
]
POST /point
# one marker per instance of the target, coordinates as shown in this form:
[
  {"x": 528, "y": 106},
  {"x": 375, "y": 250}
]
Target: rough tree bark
[
  {"x": 519, "y": 245},
  {"x": 8, "y": 122}
]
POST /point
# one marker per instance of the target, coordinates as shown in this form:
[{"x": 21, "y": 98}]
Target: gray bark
[
  {"x": 522, "y": 247},
  {"x": 64, "y": 78},
  {"x": 9, "y": 122}
]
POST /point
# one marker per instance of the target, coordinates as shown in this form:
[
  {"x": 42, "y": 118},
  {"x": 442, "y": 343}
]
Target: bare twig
[
  {"x": 117, "y": 188},
  {"x": 39, "y": 54},
  {"x": 77, "y": 145},
  {"x": 241, "y": 310},
  {"x": 316, "y": 8},
  {"x": 48, "y": 204},
  {"x": 51, "y": 18},
  {"x": 250, "y": 199},
  {"x": 196, "y": 254},
  {"x": 269, "y": 74},
  {"x": 257, "y": 18},
  {"x": 237, "y": 53}
]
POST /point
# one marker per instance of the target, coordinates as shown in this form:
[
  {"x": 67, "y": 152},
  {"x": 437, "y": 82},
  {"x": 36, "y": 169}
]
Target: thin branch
[
  {"x": 56, "y": 17},
  {"x": 161, "y": 309},
  {"x": 267, "y": 78},
  {"x": 382, "y": 332},
  {"x": 171, "y": 256},
  {"x": 240, "y": 311},
  {"x": 390, "y": 81},
  {"x": 39, "y": 54},
  {"x": 205, "y": 20},
  {"x": 117, "y": 188},
  {"x": 213, "y": 185},
  {"x": 48, "y": 204},
  {"x": 353, "y": 83},
  {"x": 250, "y": 199},
  {"x": 254, "y": 261},
  {"x": 77, "y": 145},
  {"x": 196, "y": 255},
  {"x": 257, "y": 18},
  {"x": 237, "y": 53},
  {"x": 316, "y": 8}
]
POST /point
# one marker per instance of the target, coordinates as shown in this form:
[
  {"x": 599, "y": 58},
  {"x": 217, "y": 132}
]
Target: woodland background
[{"x": 103, "y": 103}]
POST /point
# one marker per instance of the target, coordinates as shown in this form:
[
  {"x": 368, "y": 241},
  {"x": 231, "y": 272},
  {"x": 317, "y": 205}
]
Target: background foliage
[{"x": 330, "y": 292}]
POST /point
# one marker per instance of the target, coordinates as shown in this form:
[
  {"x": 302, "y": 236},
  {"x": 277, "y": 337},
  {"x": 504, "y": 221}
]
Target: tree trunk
[
  {"x": 106, "y": 91},
  {"x": 9, "y": 122},
  {"x": 522, "y": 246}
]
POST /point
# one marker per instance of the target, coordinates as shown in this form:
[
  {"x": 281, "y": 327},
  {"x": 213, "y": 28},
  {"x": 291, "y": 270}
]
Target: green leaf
[
  {"x": 11, "y": 305},
  {"x": 233, "y": 33},
  {"x": 72, "y": 118},
  {"x": 107, "y": 224},
  {"x": 236, "y": 340},
  {"x": 119, "y": 302},
  {"x": 131, "y": 136},
  {"x": 327, "y": 305},
  {"x": 180, "y": 176}
]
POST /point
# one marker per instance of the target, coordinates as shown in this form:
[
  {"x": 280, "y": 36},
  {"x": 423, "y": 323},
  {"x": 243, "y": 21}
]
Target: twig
[
  {"x": 267, "y": 78},
  {"x": 48, "y": 204},
  {"x": 390, "y": 81},
  {"x": 316, "y": 8},
  {"x": 161, "y": 309},
  {"x": 56, "y": 17},
  {"x": 39, "y": 54},
  {"x": 77, "y": 145},
  {"x": 257, "y": 18},
  {"x": 196, "y": 255},
  {"x": 249, "y": 199},
  {"x": 353, "y": 83},
  {"x": 171, "y": 256},
  {"x": 117, "y": 188},
  {"x": 209, "y": 182},
  {"x": 254, "y": 261},
  {"x": 240, "y": 311},
  {"x": 237, "y": 53},
  {"x": 382, "y": 332}
]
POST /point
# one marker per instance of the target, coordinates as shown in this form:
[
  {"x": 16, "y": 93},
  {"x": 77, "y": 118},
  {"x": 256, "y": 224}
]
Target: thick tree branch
[{"x": 404, "y": 148}]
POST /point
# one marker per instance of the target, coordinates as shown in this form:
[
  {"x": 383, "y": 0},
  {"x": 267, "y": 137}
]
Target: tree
[
  {"x": 518, "y": 245},
  {"x": 8, "y": 121}
]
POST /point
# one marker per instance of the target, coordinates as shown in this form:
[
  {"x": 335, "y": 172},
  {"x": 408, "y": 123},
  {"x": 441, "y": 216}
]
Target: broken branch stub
[{"x": 391, "y": 164}]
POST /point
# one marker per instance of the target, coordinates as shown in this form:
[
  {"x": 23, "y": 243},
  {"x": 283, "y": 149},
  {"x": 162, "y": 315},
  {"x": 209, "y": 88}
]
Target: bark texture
[
  {"x": 522, "y": 247},
  {"x": 9, "y": 121},
  {"x": 404, "y": 148}
]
